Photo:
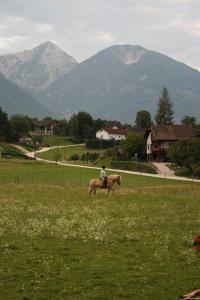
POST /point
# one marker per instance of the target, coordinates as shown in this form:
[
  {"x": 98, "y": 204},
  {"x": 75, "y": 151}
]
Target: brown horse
[{"x": 97, "y": 183}]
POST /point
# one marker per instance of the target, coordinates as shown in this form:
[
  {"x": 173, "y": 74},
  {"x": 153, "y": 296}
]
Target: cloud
[
  {"x": 44, "y": 28},
  {"x": 83, "y": 27}
]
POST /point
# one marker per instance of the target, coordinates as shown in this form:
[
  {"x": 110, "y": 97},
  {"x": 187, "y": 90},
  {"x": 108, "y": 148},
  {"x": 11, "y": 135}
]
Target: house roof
[
  {"x": 172, "y": 132},
  {"x": 41, "y": 123},
  {"x": 123, "y": 131},
  {"x": 44, "y": 122}
]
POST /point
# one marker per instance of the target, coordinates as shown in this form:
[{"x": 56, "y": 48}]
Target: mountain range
[
  {"x": 15, "y": 100},
  {"x": 113, "y": 84}
]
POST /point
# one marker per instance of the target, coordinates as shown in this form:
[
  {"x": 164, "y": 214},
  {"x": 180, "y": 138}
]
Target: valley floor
[{"x": 58, "y": 243}]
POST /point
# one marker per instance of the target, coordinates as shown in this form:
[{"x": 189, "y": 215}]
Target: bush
[
  {"x": 185, "y": 172},
  {"x": 101, "y": 144},
  {"x": 133, "y": 166},
  {"x": 197, "y": 171},
  {"x": 186, "y": 154},
  {"x": 90, "y": 156},
  {"x": 74, "y": 156},
  {"x": 75, "y": 140}
]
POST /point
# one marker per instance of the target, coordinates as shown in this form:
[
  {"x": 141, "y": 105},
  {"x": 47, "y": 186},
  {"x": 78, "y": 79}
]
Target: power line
[
  {"x": 183, "y": 48},
  {"x": 171, "y": 37}
]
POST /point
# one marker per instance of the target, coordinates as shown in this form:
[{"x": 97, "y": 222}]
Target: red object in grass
[{"x": 197, "y": 243}]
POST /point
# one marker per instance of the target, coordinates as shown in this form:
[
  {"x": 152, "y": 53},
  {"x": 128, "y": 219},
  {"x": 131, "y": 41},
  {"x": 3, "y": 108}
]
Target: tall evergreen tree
[{"x": 164, "y": 114}]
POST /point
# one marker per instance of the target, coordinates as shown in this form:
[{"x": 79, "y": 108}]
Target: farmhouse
[
  {"x": 161, "y": 137},
  {"x": 115, "y": 133},
  {"x": 44, "y": 127}
]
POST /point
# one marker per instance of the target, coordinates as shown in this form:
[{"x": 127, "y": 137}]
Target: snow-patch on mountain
[{"x": 129, "y": 54}]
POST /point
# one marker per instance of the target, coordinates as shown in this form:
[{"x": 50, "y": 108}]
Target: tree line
[{"x": 82, "y": 125}]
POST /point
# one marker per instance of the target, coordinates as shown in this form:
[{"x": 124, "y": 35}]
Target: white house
[
  {"x": 111, "y": 133},
  {"x": 116, "y": 133}
]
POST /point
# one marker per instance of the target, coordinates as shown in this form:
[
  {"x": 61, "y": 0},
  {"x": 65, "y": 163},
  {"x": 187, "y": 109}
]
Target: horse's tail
[{"x": 90, "y": 187}]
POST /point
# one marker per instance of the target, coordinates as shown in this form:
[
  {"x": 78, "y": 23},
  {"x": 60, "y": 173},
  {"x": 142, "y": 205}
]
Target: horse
[{"x": 97, "y": 183}]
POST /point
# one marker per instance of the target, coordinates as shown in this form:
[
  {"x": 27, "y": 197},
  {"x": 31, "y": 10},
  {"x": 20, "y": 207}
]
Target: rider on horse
[{"x": 103, "y": 177}]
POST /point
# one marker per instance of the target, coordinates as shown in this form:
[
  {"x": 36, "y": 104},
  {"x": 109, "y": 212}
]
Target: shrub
[
  {"x": 74, "y": 156},
  {"x": 101, "y": 144},
  {"x": 186, "y": 154},
  {"x": 133, "y": 166},
  {"x": 197, "y": 171},
  {"x": 90, "y": 156},
  {"x": 185, "y": 172}
]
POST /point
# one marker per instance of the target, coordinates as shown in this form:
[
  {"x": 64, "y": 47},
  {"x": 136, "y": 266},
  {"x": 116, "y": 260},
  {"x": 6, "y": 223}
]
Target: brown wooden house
[
  {"x": 44, "y": 127},
  {"x": 161, "y": 137}
]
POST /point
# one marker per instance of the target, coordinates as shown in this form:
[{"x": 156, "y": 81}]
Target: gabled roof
[
  {"x": 172, "y": 132},
  {"x": 41, "y": 123},
  {"x": 44, "y": 122},
  {"x": 115, "y": 130},
  {"x": 123, "y": 131}
]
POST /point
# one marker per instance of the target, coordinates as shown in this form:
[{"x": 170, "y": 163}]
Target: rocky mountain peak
[{"x": 34, "y": 70}]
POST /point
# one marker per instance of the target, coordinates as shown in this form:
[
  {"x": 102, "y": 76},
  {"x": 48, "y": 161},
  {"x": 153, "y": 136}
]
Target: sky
[{"x": 84, "y": 27}]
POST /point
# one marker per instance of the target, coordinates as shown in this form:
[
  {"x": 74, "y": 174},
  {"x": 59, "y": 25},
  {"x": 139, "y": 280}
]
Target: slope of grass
[
  {"x": 55, "y": 140},
  {"x": 8, "y": 148},
  {"x": 58, "y": 243},
  {"x": 66, "y": 152}
]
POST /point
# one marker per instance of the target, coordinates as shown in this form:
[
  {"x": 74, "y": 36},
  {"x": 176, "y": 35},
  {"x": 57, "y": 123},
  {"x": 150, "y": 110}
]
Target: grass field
[
  {"x": 55, "y": 140},
  {"x": 58, "y": 243}
]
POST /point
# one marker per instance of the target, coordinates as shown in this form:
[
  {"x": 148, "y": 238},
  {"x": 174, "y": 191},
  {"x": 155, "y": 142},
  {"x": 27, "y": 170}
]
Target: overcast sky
[{"x": 84, "y": 27}]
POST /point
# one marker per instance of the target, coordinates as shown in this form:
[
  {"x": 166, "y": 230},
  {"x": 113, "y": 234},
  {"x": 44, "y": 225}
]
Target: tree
[
  {"x": 197, "y": 134},
  {"x": 134, "y": 145},
  {"x": 5, "y": 130},
  {"x": 21, "y": 125},
  {"x": 98, "y": 124},
  {"x": 57, "y": 156},
  {"x": 165, "y": 112},
  {"x": 81, "y": 125},
  {"x": 61, "y": 128},
  {"x": 189, "y": 120},
  {"x": 143, "y": 119},
  {"x": 186, "y": 154}
]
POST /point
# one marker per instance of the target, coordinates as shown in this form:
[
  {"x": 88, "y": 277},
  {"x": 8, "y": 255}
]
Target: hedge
[
  {"x": 133, "y": 166},
  {"x": 101, "y": 144}
]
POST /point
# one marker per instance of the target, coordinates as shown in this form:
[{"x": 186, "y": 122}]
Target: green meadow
[
  {"x": 59, "y": 243},
  {"x": 66, "y": 152}
]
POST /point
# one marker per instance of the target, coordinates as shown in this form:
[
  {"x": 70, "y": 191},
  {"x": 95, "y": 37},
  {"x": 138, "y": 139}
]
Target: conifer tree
[{"x": 164, "y": 114}]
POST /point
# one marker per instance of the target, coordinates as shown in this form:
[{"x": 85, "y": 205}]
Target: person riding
[{"x": 103, "y": 176}]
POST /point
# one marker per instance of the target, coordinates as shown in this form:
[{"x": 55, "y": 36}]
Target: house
[
  {"x": 115, "y": 133},
  {"x": 44, "y": 127},
  {"x": 161, "y": 137}
]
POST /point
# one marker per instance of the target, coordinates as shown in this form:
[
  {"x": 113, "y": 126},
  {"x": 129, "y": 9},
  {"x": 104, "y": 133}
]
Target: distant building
[
  {"x": 44, "y": 127},
  {"x": 115, "y": 133},
  {"x": 161, "y": 137}
]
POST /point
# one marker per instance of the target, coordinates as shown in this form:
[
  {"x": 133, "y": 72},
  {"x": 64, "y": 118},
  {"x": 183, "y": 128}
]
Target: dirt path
[
  {"x": 163, "y": 169},
  {"x": 25, "y": 151}
]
